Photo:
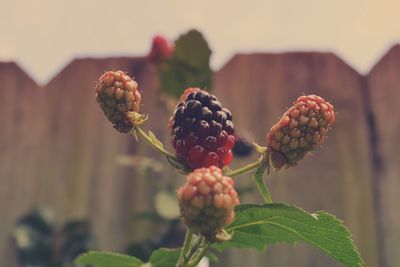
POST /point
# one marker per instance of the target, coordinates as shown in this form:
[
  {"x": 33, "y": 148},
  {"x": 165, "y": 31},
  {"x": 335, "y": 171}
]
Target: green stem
[
  {"x": 245, "y": 169},
  {"x": 185, "y": 249},
  {"x": 147, "y": 138},
  {"x": 263, "y": 189},
  {"x": 261, "y": 186},
  {"x": 199, "y": 255},
  {"x": 194, "y": 247}
]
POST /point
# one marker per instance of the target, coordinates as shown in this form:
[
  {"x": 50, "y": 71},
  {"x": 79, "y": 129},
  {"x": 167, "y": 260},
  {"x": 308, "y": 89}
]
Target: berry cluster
[
  {"x": 301, "y": 129},
  {"x": 202, "y": 132},
  {"x": 118, "y": 95},
  {"x": 203, "y": 136},
  {"x": 207, "y": 201}
]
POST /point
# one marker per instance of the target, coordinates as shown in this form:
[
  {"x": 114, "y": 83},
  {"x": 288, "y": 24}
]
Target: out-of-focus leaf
[
  {"x": 108, "y": 259},
  {"x": 166, "y": 205},
  {"x": 192, "y": 49},
  {"x": 164, "y": 257},
  {"x": 141, "y": 250},
  {"x": 188, "y": 67}
]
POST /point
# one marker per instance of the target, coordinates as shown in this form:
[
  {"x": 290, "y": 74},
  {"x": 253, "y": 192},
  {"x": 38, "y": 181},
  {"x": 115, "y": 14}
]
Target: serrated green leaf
[
  {"x": 108, "y": 259},
  {"x": 155, "y": 140},
  {"x": 164, "y": 257},
  {"x": 257, "y": 226}
]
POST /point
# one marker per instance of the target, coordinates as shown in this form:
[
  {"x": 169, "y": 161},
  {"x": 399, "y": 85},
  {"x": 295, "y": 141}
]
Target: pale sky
[{"x": 44, "y": 35}]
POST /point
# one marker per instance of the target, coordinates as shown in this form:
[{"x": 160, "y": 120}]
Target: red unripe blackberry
[
  {"x": 161, "y": 49},
  {"x": 301, "y": 129},
  {"x": 118, "y": 94},
  {"x": 202, "y": 132},
  {"x": 207, "y": 201}
]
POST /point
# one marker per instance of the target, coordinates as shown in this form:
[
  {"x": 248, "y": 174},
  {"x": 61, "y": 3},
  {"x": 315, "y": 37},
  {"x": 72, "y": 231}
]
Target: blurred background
[{"x": 69, "y": 182}]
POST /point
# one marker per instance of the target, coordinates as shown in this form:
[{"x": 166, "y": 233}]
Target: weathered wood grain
[
  {"x": 20, "y": 110},
  {"x": 383, "y": 84}
]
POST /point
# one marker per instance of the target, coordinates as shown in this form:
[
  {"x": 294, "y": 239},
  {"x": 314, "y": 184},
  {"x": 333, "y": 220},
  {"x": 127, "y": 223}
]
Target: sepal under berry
[
  {"x": 207, "y": 201},
  {"x": 301, "y": 129},
  {"x": 119, "y": 98}
]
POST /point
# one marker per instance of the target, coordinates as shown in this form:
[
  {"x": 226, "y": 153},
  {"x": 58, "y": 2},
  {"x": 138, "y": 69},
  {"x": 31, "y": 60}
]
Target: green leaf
[
  {"x": 164, "y": 257},
  {"x": 188, "y": 67},
  {"x": 257, "y": 226},
  {"x": 211, "y": 256},
  {"x": 108, "y": 259},
  {"x": 192, "y": 49}
]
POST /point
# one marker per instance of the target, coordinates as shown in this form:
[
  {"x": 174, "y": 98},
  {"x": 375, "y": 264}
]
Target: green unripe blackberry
[
  {"x": 301, "y": 129},
  {"x": 118, "y": 94},
  {"x": 207, "y": 201}
]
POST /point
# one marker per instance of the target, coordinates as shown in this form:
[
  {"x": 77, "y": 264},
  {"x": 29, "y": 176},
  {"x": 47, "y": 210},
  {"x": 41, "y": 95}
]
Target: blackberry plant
[{"x": 202, "y": 134}]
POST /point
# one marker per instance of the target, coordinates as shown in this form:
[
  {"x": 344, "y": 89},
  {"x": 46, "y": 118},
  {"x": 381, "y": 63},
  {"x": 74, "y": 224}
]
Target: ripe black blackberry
[
  {"x": 242, "y": 147},
  {"x": 202, "y": 132}
]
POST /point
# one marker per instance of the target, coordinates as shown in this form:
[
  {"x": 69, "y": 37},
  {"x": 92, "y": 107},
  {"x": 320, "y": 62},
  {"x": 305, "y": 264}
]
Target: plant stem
[
  {"x": 245, "y": 169},
  {"x": 194, "y": 247},
  {"x": 261, "y": 186},
  {"x": 185, "y": 249},
  {"x": 199, "y": 255},
  {"x": 263, "y": 189},
  {"x": 147, "y": 138}
]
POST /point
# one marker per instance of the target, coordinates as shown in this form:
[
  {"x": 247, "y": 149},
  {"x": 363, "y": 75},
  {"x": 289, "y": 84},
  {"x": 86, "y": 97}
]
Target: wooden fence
[{"x": 57, "y": 150}]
